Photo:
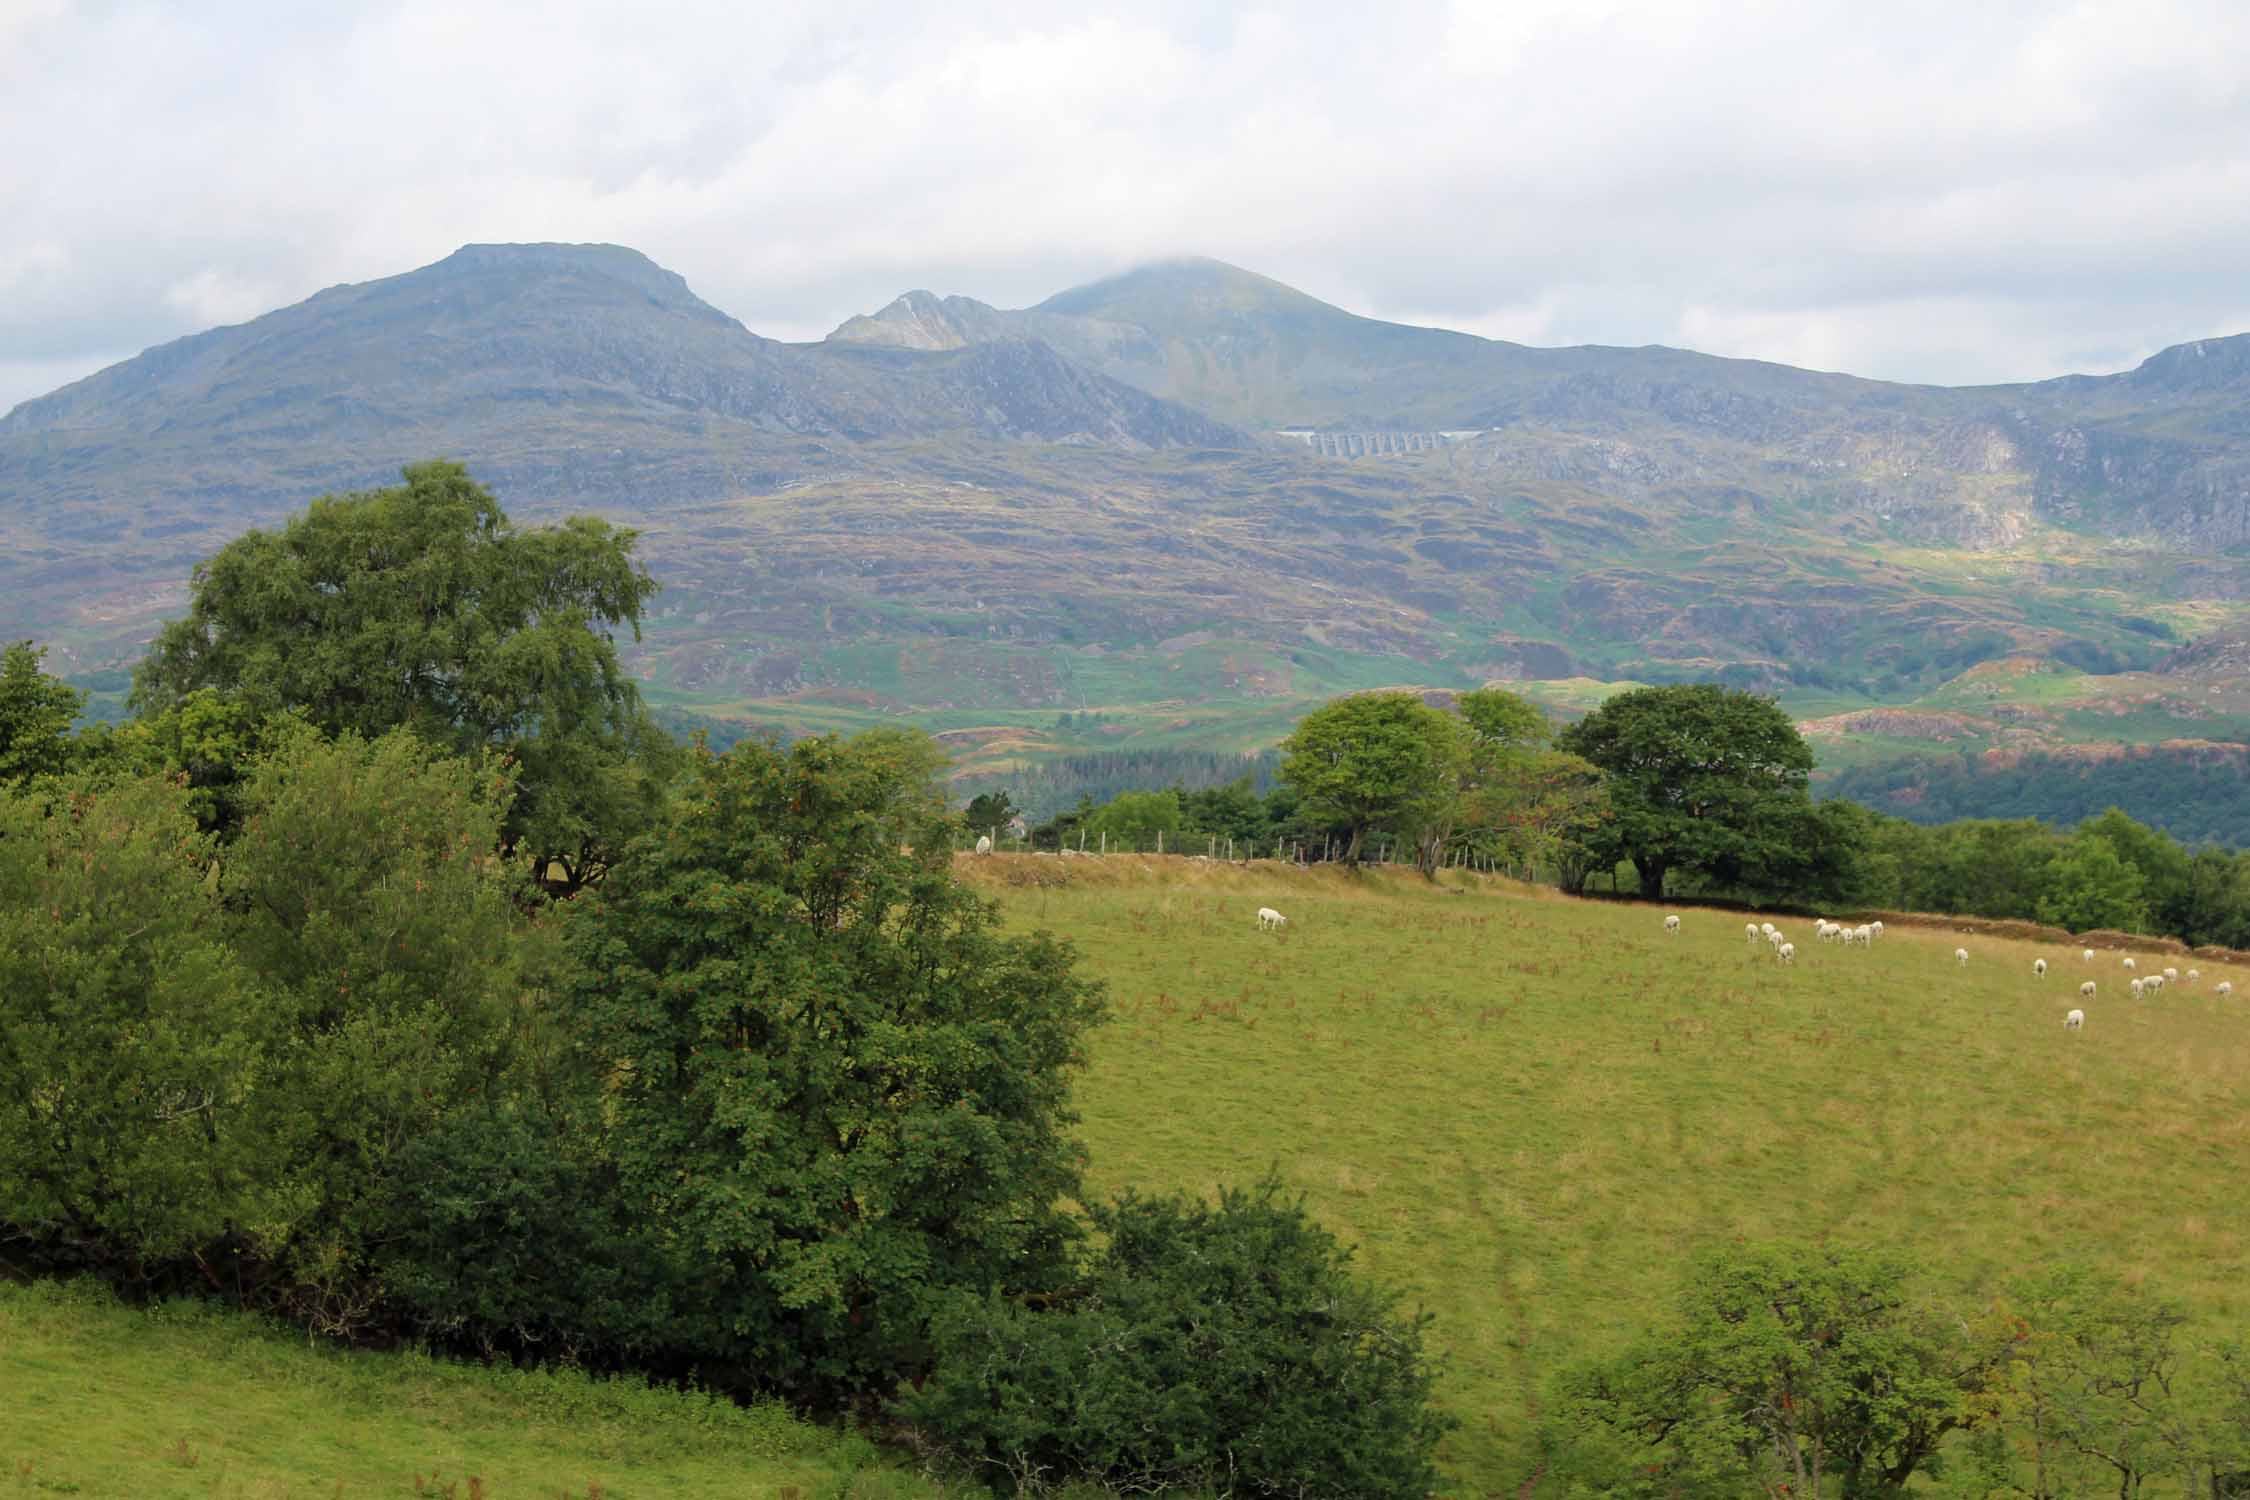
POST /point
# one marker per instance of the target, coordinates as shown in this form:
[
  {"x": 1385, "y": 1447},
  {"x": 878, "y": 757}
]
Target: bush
[
  {"x": 131, "y": 1121},
  {"x": 833, "y": 1091},
  {"x": 1227, "y": 1349}
]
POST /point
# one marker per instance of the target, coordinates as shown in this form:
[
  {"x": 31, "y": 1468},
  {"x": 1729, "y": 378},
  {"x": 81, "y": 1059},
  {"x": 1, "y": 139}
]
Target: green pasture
[
  {"x": 1524, "y": 1109},
  {"x": 188, "y": 1402},
  {"x": 1529, "y": 1110}
]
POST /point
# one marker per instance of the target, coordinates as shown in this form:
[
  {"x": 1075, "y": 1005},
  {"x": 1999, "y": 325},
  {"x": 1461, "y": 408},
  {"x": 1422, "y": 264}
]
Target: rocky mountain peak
[
  {"x": 2204, "y": 364},
  {"x": 923, "y": 320}
]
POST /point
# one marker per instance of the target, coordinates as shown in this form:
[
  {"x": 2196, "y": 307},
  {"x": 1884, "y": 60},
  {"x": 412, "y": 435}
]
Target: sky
[{"x": 1953, "y": 192}]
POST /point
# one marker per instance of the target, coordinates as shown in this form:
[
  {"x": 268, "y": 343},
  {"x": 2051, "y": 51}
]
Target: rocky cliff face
[{"x": 921, "y": 320}]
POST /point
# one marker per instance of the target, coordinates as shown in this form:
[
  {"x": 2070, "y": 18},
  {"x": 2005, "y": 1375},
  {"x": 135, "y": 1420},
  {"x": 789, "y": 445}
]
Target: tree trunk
[{"x": 1651, "y": 873}]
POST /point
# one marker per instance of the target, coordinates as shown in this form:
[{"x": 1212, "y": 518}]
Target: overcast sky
[{"x": 1964, "y": 191}]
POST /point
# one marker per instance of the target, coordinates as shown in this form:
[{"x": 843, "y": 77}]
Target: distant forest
[
  {"x": 1041, "y": 791},
  {"x": 2197, "y": 799}
]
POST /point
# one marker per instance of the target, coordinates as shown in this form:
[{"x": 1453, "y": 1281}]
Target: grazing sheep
[
  {"x": 2154, "y": 981},
  {"x": 2139, "y": 988},
  {"x": 984, "y": 843},
  {"x": 1773, "y": 937},
  {"x": 1769, "y": 931},
  {"x": 1960, "y": 955},
  {"x": 2086, "y": 956},
  {"x": 1787, "y": 953},
  {"x": 1671, "y": 924},
  {"x": 2226, "y": 987},
  {"x": 2128, "y": 963},
  {"x": 1825, "y": 930},
  {"x": 2087, "y": 989},
  {"x": 1269, "y": 919},
  {"x": 1750, "y": 931},
  {"x": 1876, "y": 928},
  {"x": 2171, "y": 975},
  {"x": 2039, "y": 967},
  {"x": 2075, "y": 1021},
  {"x": 2194, "y": 975}
]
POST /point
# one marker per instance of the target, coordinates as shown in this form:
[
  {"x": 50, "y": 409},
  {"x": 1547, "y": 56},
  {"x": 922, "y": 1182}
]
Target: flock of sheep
[{"x": 1866, "y": 933}]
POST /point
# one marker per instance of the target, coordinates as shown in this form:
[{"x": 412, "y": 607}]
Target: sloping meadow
[{"x": 1529, "y": 1111}]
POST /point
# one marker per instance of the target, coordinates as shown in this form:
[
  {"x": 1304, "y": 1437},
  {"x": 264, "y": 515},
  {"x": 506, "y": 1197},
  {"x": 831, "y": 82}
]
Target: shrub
[
  {"x": 832, "y": 1089},
  {"x": 1228, "y": 1349},
  {"x": 130, "y": 1119}
]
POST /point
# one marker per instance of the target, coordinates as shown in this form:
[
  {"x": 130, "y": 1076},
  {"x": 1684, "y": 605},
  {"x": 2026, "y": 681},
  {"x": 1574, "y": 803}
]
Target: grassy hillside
[
  {"x": 186, "y": 1402},
  {"x": 1525, "y": 1109},
  {"x": 1528, "y": 1109}
]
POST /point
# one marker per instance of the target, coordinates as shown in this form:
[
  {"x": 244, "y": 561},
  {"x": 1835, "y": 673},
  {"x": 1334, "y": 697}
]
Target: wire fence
[{"x": 1298, "y": 849}]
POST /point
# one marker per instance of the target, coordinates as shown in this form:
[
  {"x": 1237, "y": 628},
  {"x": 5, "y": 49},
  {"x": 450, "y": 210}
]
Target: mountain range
[{"x": 1187, "y": 495}]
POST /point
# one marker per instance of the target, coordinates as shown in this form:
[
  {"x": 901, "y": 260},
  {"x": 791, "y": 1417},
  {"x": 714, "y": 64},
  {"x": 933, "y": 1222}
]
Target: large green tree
[
  {"x": 2090, "y": 887},
  {"x": 423, "y": 607},
  {"x": 1701, "y": 778},
  {"x": 215, "y": 1057},
  {"x": 1373, "y": 760},
  {"x": 836, "y": 1089},
  {"x": 1789, "y": 1370},
  {"x": 129, "y": 1055},
  {"x": 36, "y": 712}
]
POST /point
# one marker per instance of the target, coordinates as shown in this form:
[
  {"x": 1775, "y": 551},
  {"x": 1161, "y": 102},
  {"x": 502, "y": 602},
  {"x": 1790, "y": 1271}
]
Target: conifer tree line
[{"x": 391, "y": 970}]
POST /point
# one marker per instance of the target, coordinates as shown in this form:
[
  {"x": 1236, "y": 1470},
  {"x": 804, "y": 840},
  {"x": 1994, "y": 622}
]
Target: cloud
[{"x": 1915, "y": 190}]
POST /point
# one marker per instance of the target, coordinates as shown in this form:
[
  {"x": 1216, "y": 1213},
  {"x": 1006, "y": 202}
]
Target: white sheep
[
  {"x": 1269, "y": 919},
  {"x": 1768, "y": 930},
  {"x": 2139, "y": 988},
  {"x": 984, "y": 843},
  {"x": 2128, "y": 963},
  {"x": 1671, "y": 924},
  {"x": 2039, "y": 967},
  {"x": 1960, "y": 955},
  {"x": 2171, "y": 975},
  {"x": 2154, "y": 981},
  {"x": 2086, "y": 955},
  {"x": 2087, "y": 989},
  {"x": 1750, "y": 931},
  {"x": 1875, "y": 928},
  {"x": 1773, "y": 937},
  {"x": 1865, "y": 934},
  {"x": 2226, "y": 987},
  {"x": 1787, "y": 953},
  {"x": 2075, "y": 1021},
  {"x": 2194, "y": 975},
  {"x": 1825, "y": 930}
]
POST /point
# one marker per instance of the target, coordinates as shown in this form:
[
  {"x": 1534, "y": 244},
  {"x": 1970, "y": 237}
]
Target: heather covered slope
[{"x": 1187, "y": 496}]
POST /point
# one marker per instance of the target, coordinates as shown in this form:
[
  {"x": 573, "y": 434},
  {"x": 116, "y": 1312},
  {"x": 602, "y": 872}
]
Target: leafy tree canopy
[
  {"x": 1136, "y": 818},
  {"x": 837, "y": 1089},
  {"x": 1805, "y": 1371},
  {"x": 1701, "y": 778},
  {"x": 1224, "y": 1350},
  {"x": 2091, "y": 886},
  {"x": 423, "y": 607},
  {"x": 36, "y": 712},
  {"x": 989, "y": 812},
  {"x": 1371, "y": 760}
]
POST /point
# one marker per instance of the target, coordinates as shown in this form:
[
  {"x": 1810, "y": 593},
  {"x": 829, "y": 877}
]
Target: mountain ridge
[{"x": 951, "y": 508}]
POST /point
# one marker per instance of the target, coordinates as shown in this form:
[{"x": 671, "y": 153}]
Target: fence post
[
  {"x": 1105, "y": 842},
  {"x": 1160, "y": 841}
]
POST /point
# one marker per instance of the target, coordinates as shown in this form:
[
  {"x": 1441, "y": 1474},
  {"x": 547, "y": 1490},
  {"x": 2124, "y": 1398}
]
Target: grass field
[
  {"x": 192, "y": 1403},
  {"x": 1527, "y": 1110}
]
